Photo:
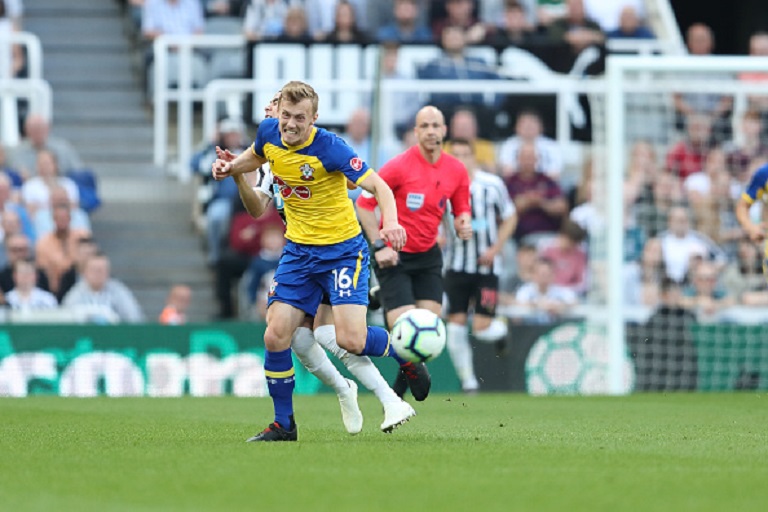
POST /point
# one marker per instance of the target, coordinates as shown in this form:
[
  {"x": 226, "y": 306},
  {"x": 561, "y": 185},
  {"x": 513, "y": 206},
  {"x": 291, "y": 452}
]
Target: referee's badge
[{"x": 414, "y": 201}]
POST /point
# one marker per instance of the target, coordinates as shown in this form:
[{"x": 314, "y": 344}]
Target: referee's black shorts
[
  {"x": 465, "y": 290},
  {"x": 417, "y": 276}
]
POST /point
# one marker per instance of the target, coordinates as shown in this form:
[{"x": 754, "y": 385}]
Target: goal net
[{"x": 676, "y": 289}]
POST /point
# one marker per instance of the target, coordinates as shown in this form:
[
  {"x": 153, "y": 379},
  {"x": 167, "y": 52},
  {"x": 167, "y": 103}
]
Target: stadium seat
[{"x": 518, "y": 63}]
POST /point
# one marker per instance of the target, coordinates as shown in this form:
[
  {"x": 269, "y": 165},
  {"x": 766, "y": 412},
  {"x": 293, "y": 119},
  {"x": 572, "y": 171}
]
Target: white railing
[
  {"x": 40, "y": 97},
  {"x": 184, "y": 94},
  {"x": 10, "y": 93}
]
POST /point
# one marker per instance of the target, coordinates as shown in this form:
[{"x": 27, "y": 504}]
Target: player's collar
[{"x": 305, "y": 144}]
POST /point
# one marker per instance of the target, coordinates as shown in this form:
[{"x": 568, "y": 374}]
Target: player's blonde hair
[{"x": 295, "y": 92}]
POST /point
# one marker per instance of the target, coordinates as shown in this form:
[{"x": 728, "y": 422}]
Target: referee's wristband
[{"x": 379, "y": 245}]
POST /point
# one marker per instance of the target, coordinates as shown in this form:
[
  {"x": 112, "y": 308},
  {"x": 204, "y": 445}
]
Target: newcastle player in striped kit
[{"x": 473, "y": 266}]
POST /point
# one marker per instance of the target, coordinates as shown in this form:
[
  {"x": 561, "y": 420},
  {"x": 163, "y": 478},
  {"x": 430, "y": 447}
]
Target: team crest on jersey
[
  {"x": 272, "y": 288},
  {"x": 307, "y": 172},
  {"x": 356, "y": 163},
  {"x": 414, "y": 201}
]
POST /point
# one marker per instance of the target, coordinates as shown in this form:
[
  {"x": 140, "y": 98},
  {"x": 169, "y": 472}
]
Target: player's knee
[
  {"x": 277, "y": 339},
  {"x": 351, "y": 340}
]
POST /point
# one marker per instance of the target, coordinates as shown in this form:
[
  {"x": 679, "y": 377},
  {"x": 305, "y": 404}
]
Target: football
[{"x": 418, "y": 336}]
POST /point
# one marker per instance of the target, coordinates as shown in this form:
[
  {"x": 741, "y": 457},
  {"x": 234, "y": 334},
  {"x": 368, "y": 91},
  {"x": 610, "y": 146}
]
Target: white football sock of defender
[
  {"x": 316, "y": 361},
  {"x": 461, "y": 355},
  {"x": 494, "y": 332},
  {"x": 360, "y": 366}
]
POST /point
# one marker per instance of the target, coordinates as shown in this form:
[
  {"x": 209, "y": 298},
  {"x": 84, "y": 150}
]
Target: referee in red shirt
[{"x": 423, "y": 179}]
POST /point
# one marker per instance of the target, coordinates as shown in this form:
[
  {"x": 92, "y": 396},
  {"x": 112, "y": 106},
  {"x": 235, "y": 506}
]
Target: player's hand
[
  {"x": 386, "y": 257},
  {"x": 488, "y": 256},
  {"x": 394, "y": 235},
  {"x": 756, "y": 232},
  {"x": 463, "y": 226},
  {"x": 225, "y": 154},
  {"x": 221, "y": 169}
]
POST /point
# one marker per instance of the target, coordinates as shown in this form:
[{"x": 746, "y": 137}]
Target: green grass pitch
[{"x": 505, "y": 452}]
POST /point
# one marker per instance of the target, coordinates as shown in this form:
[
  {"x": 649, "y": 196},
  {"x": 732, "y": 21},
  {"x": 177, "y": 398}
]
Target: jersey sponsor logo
[
  {"x": 414, "y": 201},
  {"x": 356, "y": 163},
  {"x": 307, "y": 172},
  {"x": 287, "y": 191}
]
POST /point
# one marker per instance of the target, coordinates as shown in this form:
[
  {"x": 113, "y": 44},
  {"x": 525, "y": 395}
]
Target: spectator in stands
[
  {"x": 358, "y": 135},
  {"x": 403, "y": 104},
  {"x": 547, "y": 301},
  {"x": 10, "y": 224},
  {"x": 680, "y": 245},
  {"x": 459, "y": 13},
  {"x": 607, "y": 13},
  {"x": 244, "y": 245},
  {"x": 525, "y": 262},
  {"x": 709, "y": 197},
  {"x": 758, "y": 47},
  {"x": 630, "y": 26},
  {"x": 225, "y": 8},
  {"x": 751, "y": 143},
  {"x": 704, "y": 297},
  {"x": 455, "y": 64},
  {"x": 406, "y": 27},
  {"x": 97, "y": 289},
  {"x": 541, "y": 205},
  {"x": 687, "y": 156},
  {"x": 744, "y": 277},
  {"x": 5, "y": 169},
  {"x": 18, "y": 247},
  {"x": 576, "y": 28},
  {"x": 345, "y": 28},
  {"x": 264, "y": 19},
  {"x": 43, "y": 219},
  {"x": 642, "y": 279},
  {"x": 651, "y": 211},
  {"x": 10, "y": 203},
  {"x": 568, "y": 257},
  {"x": 271, "y": 247},
  {"x": 295, "y": 27},
  {"x": 26, "y": 295},
  {"x": 55, "y": 251},
  {"x": 463, "y": 125},
  {"x": 717, "y": 107},
  {"x": 36, "y": 191},
  {"x": 174, "y": 17},
  {"x": 664, "y": 352},
  {"x": 219, "y": 196},
  {"x": 24, "y": 157},
  {"x": 175, "y": 310},
  {"x": 380, "y": 13},
  {"x": 323, "y": 16},
  {"x": 515, "y": 29},
  {"x": 86, "y": 247},
  {"x": 529, "y": 130}
]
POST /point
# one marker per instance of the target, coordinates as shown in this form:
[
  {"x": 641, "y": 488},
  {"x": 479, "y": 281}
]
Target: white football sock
[
  {"x": 316, "y": 361},
  {"x": 360, "y": 366},
  {"x": 494, "y": 332},
  {"x": 461, "y": 355}
]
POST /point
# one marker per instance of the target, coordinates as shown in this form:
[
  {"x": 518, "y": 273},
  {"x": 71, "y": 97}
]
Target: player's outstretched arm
[
  {"x": 391, "y": 230},
  {"x": 227, "y": 164},
  {"x": 254, "y": 200},
  {"x": 754, "y": 231}
]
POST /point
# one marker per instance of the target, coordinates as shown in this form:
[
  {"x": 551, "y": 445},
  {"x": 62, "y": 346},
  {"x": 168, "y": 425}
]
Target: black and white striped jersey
[{"x": 490, "y": 204}]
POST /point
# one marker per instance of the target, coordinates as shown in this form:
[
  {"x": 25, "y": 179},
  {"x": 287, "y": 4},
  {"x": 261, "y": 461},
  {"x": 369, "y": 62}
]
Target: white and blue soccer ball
[{"x": 418, "y": 336}]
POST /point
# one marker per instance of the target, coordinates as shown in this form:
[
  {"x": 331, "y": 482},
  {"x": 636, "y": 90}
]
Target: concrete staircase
[{"x": 144, "y": 224}]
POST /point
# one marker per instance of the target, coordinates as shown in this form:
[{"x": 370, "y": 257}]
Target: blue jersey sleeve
[
  {"x": 757, "y": 185},
  {"x": 340, "y": 157},
  {"x": 264, "y": 134}
]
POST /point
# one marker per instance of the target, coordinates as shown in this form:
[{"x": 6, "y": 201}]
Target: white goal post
[{"x": 629, "y": 76}]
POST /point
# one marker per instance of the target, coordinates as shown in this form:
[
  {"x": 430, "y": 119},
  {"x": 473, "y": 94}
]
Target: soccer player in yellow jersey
[
  {"x": 756, "y": 190},
  {"x": 326, "y": 252}
]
